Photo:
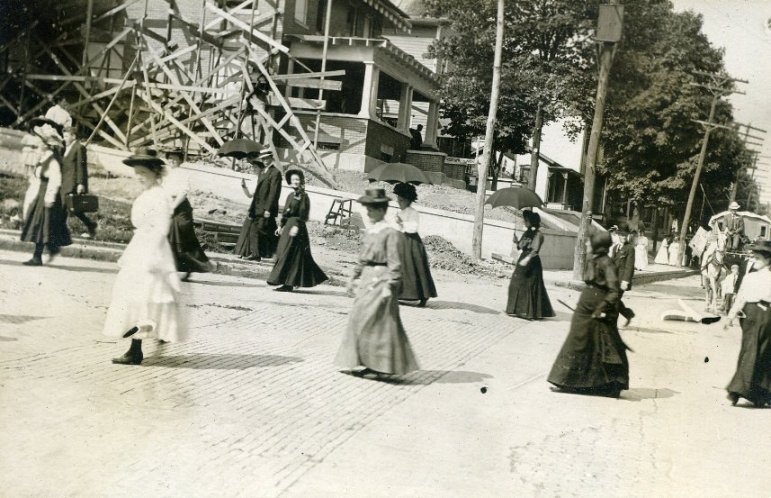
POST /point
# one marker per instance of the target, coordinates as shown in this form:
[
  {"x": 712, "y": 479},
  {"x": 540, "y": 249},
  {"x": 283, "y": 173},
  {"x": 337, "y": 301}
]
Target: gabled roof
[{"x": 399, "y": 18}]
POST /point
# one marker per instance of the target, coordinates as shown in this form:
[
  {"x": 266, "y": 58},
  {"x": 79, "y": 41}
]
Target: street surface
[{"x": 253, "y": 406}]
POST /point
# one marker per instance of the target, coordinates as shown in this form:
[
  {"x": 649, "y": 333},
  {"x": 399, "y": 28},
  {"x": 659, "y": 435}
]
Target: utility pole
[
  {"x": 609, "y": 27},
  {"x": 719, "y": 88},
  {"x": 479, "y": 213},
  {"x": 747, "y": 137}
]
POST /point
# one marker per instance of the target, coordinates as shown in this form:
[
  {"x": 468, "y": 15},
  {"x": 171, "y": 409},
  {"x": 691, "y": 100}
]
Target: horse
[{"x": 713, "y": 268}]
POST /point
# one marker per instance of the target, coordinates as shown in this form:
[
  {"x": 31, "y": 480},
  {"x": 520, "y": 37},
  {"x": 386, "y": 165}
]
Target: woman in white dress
[
  {"x": 641, "y": 252},
  {"x": 145, "y": 300},
  {"x": 674, "y": 252},
  {"x": 662, "y": 256}
]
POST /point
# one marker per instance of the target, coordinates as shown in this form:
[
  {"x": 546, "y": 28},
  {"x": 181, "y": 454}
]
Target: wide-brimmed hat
[
  {"x": 407, "y": 191},
  {"x": 144, "y": 156},
  {"x": 374, "y": 196},
  {"x": 264, "y": 154},
  {"x": 294, "y": 171},
  {"x": 734, "y": 205},
  {"x": 763, "y": 246},
  {"x": 42, "y": 121}
]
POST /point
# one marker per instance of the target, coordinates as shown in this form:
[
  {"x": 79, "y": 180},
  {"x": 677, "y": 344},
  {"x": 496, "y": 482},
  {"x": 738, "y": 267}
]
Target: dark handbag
[{"x": 81, "y": 203}]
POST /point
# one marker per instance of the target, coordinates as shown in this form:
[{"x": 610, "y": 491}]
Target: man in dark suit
[
  {"x": 75, "y": 176},
  {"x": 258, "y": 237},
  {"x": 624, "y": 259},
  {"x": 734, "y": 225}
]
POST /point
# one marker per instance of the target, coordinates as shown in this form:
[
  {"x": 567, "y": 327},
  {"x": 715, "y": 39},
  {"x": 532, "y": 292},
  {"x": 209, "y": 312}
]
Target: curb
[
  {"x": 637, "y": 280},
  {"x": 111, "y": 252}
]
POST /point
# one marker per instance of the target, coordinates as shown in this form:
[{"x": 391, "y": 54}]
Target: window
[
  {"x": 763, "y": 232},
  {"x": 301, "y": 11}
]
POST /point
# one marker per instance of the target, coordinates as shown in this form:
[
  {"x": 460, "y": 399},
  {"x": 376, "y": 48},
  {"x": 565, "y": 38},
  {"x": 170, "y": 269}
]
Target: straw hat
[
  {"x": 734, "y": 205},
  {"x": 374, "y": 196}
]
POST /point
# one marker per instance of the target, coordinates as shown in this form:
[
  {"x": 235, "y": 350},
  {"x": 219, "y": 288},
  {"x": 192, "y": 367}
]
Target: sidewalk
[{"x": 336, "y": 268}]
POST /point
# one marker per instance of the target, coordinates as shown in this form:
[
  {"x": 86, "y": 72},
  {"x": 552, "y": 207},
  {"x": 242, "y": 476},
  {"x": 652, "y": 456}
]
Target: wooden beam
[
  {"x": 187, "y": 131},
  {"x": 298, "y": 103},
  {"x": 333, "y": 85},
  {"x": 300, "y": 76},
  {"x": 245, "y": 27}
]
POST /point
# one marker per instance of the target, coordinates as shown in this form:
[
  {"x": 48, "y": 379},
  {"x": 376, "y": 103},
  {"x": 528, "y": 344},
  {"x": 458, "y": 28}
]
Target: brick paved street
[{"x": 252, "y": 405}]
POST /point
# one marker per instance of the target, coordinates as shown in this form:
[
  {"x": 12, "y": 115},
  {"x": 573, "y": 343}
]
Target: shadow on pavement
[
  {"x": 641, "y": 393},
  {"x": 433, "y": 304},
  {"x": 53, "y": 265},
  {"x": 220, "y": 361},
  {"x": 222, "y": 284},
  {"x": 426, "y": 377}
]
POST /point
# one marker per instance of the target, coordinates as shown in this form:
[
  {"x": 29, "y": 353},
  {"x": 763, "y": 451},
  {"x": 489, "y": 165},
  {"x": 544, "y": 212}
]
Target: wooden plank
[
  {"x": 187, "y": 131},
  {"x": 332, "y": 85},
  {"x": 179, "y": 53},
  {"x": 298, "y": 103},
  {"x": 245, "y": 27},
  {"x": 112, "y": 12},
  {"x": 299, "y": 76},
  {"x": 196, "y": 31}
]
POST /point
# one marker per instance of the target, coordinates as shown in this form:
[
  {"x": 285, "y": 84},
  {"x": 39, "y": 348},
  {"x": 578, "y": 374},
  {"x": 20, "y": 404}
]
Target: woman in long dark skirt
[
  {"x": 593, "y": 358},
  {"x": 45, "y": 222},
  {"x": 752, "y": 380},
  {"x": 417, "y": 282},
  {"x": 375, "y": 341},
  {"x": 188, "y": 254},
  {"x": 295, "y": 266},
  {"x": 527, "y": 293}
]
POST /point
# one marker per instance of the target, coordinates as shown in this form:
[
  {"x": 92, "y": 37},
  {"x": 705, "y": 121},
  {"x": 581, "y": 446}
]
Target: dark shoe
[
  {"x": 128, "y": 359},
  {"x": 186, "y": 278},
  {"x": 422, "y": 303},
  {"x": 33, "y": 262},
  {"x": 733, "y": 398},
  {"x": 284, "y": 288},
  {"x": 92, "y": 231}
]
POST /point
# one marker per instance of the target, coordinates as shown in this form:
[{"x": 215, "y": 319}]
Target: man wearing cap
[
  {"x": 75, "y": 176},
  {"x": 734, "y": 226},
  {"x": 258, "y": 235}
]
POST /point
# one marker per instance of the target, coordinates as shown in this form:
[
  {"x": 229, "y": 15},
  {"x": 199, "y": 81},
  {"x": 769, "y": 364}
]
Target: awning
[{"x": 391, "y": 12}]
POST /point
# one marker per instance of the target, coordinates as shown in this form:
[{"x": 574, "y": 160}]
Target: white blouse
[
  {"x": 756, "y": 286},
  {"x": 410, "y": 220},
  {"x": 176, "y": 184}
]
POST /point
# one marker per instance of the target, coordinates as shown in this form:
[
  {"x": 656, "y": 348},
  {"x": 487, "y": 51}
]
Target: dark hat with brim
[
  {"x": 294, "y": 171},
  {"x": 374, "y": 196},
  {"x": 144, "y": 157},
  {"x": 40, "y": 121},
  {"x": 763, "y": 246}
]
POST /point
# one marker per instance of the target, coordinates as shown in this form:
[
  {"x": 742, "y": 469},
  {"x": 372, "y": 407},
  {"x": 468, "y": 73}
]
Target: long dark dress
[
  {"x": 593, "y": 357},
  {"x": 417, "y": 282},
  {"x": 294, "y": 263},
  {"x": 188, "y": 254},
  {"x": 752, "y": 379},
  {"x": 375, "y": 337},
  {"x": 527, "y": 293},
  {"x": 47, "y": 225}
]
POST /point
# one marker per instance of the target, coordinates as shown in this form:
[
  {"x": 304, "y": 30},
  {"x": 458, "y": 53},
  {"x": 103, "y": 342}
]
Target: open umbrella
[
  {"x": 516, "y": 197},
  {"x": 239, "y": 148},
  {"x": 398, "y": 173}
]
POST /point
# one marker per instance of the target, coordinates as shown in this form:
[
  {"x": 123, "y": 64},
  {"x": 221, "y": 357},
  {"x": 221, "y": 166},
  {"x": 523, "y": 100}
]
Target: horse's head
[{"x": 721, "y": 241}]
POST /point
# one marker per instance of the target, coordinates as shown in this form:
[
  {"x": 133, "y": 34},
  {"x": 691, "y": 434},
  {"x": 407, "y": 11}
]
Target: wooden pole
[
  {"x": 324, "y": 51},
  {"x": 606, "y": 60},
  {"x": 479, "y": 213},
  {"x": 695, "y": 183},
  {"x": 87, "y": 35},
  {"x": 536, "y": 148}
]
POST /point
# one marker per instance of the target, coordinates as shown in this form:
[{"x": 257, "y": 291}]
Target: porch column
[
  {"x": 432, "y": 123},
  {"x": 289, "y": 70},
  {"x": 369, "y": 90},
  {"x": 565, "y": 190},
  {"x": 405, "y": 108}
]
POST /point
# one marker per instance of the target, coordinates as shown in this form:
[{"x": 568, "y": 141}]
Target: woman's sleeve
[
  {"x": 393, "y": 259},
  {"x": 741, "y": 297},
  {"x": 535, "y": 246},
  {"x": 305, "y": 208},
  {"x": 611, "y": 279},
  {"x": 285, "y": 212},
  {"x": 54, "y": 174}
]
